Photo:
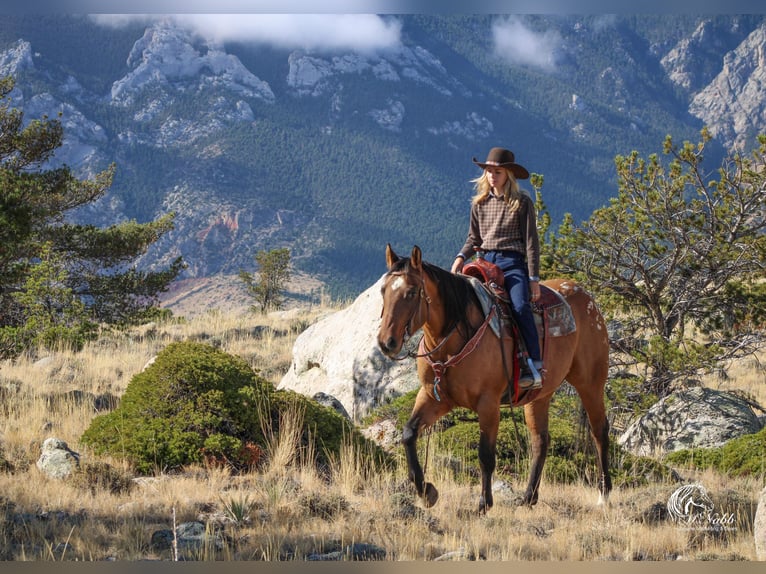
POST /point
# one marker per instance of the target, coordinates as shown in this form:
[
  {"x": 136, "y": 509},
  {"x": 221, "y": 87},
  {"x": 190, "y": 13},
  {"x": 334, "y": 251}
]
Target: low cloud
[
  {"x": 322, "y": 32},
  {"x": 519, "y": 45}
]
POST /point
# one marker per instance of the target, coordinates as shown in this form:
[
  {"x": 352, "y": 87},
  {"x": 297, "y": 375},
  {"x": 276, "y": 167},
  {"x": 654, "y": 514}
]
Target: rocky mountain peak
[
  {"x": 166, "y": 54},
  {"x": 16, "y": 59},
  {"x": 687, "y": 63},
  {"x": 733, "y": 105}
]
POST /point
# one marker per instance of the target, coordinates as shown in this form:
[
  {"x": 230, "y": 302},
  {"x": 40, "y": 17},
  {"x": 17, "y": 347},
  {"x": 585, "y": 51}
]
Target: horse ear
[
  {"x": 391, "y": 257},
  {"x": 415, "y": 257}
]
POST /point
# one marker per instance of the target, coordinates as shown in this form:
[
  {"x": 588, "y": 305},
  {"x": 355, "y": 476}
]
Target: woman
[{"x": 503, "y": 230}]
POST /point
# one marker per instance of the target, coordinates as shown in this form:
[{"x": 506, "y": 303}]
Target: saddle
[{"x": 553, "y": 315}]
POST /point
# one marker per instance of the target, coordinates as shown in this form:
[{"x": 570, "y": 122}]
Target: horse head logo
[{"x": 690, "y": 503}]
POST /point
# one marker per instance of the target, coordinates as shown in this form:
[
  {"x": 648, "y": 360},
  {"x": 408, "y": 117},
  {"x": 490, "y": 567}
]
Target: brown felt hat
[{"x": 501, "y": 157}]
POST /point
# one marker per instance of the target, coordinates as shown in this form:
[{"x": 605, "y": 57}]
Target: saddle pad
[
  {"x": 552, "y": 309},
  {"x": 556, "y": 312},
  {"x": 487, "y": 300}
]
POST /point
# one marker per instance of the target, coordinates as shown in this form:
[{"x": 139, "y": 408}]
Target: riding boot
[{"x": 529, "y": 377}]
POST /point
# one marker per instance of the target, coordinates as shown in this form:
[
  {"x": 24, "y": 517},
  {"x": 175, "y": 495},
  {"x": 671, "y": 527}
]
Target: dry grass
[{"x": 288, "y": 510}]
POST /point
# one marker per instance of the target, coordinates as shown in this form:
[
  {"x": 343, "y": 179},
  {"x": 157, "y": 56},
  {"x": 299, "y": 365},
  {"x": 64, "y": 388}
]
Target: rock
[
  {"x": 692, "y": 418},
  {"x": 191, "y": 537},
  {"x": 357, "y": 551},
  {"x": 16, "y": 59},
  {"x": 339, "y": 356},
  {"x": 686, "y": 63},
  {"x": 759, "y": 527},
  {"x": 167, "y": 54},
  {"x": 384, "y": 433},
  {"x": 57, "y": 460},
  {"x": 456, "y": 555},
  {"x": 331, "y": 402},
  {"x": 732, "y": 105}
]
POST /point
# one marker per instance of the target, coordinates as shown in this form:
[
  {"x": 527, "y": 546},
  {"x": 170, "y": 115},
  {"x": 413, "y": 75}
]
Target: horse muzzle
[{"x": 390, "y": 346}]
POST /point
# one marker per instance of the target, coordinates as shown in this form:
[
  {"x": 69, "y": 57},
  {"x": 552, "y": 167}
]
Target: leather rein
[{"x": 439, "y": 367}]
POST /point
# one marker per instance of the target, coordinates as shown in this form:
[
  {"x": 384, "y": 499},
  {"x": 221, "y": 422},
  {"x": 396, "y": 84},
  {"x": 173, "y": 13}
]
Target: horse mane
[{"x": 455, "y": 291}]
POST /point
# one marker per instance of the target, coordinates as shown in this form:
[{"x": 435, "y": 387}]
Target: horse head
[{"x": 403, "y": 296}]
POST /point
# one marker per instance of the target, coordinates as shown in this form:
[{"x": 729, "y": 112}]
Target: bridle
[
  {"x": 439, "y": 367},
  {"x": 407, "y": 329},
  {"x": 422, "y": 295}
]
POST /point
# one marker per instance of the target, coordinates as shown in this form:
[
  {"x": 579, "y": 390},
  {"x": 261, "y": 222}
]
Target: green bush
[
  {"x": 742, "y": 456},
  {"x": 196, "y": 403}
]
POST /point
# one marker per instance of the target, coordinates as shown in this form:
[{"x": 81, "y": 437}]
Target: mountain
[{"x": 333, "y": 152}]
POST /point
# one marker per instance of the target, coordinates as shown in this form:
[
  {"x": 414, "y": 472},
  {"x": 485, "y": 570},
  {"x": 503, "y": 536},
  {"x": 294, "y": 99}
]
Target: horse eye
[{"x": 411, "y": 293}]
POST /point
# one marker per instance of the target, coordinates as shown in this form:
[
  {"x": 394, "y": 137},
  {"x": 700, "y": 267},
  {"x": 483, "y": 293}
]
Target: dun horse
[{"x": 462, "y": 364}]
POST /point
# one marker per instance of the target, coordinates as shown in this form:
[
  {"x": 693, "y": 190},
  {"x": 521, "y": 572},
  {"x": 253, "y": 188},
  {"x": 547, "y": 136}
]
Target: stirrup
[
  {"x": 530, "y": 379},
  {"x": 535, "y": 367}
]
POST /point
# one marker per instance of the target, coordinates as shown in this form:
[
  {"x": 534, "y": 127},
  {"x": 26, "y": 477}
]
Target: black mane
[{"x": 455, "y": 291}]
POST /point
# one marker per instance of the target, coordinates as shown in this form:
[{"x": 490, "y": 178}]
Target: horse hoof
[
  {"x": 524, "y": 501},
  {"x": 431, "y": 495}
]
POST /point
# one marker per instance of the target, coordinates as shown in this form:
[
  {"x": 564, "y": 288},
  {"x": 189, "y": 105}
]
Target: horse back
[{"x": 588, "y": 346}]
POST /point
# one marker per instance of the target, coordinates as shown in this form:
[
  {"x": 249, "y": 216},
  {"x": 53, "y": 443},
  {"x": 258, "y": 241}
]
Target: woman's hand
[{"x": 457, "y": 265}]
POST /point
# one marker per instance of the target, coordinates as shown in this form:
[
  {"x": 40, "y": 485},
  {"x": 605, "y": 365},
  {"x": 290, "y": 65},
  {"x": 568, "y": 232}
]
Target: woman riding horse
[{"x": 462, "y": 364}]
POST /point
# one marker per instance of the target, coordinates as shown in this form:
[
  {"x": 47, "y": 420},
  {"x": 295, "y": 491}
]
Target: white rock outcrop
[
  {"x": 339, "y": 356},
  {"x": 759, "y": 527}
]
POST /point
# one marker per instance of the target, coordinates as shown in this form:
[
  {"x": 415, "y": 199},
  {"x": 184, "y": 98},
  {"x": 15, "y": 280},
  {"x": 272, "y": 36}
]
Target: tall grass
[{"x": 289, "y": 509}]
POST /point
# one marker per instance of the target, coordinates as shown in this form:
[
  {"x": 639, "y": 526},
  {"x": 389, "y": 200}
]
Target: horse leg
[
  {"x": 599, "y": 429},
  {"x": 489, "y": 420},
  {"x": 425, "y": 412},
  {"x": 536, "y": 417}
]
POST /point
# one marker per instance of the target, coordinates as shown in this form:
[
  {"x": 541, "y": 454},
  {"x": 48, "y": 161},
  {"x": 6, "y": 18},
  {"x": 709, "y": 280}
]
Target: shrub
[
  {"x": 742, "y": 456},
  {"x": 196, "y": 403}
]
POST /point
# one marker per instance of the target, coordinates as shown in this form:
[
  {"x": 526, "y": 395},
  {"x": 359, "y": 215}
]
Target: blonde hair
[{"x": 511, "y": 190}]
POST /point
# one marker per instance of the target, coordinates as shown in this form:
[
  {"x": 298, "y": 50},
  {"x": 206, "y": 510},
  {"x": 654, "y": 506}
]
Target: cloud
[
  {"x": 519, "y": 45},
  {"x": 323, "y": 32}
]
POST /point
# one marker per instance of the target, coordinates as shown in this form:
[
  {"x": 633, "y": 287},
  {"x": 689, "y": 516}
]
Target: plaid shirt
[{"x": 494, "y": 227}]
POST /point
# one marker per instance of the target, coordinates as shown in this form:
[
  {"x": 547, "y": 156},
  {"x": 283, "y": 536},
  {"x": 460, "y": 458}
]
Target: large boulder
[
  {"x": 339, "y": 356},
  {"x": 57, "y": 460},
  {"x": 693, "y": 418},
  {"x": 759, "y": 527}
]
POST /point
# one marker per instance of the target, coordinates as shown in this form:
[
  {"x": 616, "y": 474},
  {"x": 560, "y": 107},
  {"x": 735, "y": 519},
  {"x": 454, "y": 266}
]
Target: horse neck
[{"x": 438, "y": 325}]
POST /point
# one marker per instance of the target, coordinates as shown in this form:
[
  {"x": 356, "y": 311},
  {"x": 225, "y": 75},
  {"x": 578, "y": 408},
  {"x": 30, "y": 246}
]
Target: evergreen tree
[
  {"x": 678, "y": 259},
  {"x": 273, "y": 273},
  {"x": 54, "y": 273}
]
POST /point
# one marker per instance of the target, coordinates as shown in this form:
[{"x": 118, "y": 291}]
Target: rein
[{"x": 440, "y": 366}]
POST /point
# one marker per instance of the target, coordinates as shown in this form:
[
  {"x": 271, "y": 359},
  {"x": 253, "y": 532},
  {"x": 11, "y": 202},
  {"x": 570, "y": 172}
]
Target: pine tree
[
  {"x": 93, "y": 267},
  {"x": 273, "y": 273},
  {"x": 678, "y": 259}
]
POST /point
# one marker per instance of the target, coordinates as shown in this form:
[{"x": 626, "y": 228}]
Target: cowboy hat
[{"x": 500, "y": 157}]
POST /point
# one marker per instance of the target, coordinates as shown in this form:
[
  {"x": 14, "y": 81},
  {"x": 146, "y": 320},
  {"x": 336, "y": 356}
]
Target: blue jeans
[{"x": 514, "y": 268}]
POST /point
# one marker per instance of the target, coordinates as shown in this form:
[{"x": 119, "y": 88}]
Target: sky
[{"x": 383, "y": 6}]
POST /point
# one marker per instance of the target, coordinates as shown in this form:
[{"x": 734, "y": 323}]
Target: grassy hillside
[{"x": 289, "y": 511}]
